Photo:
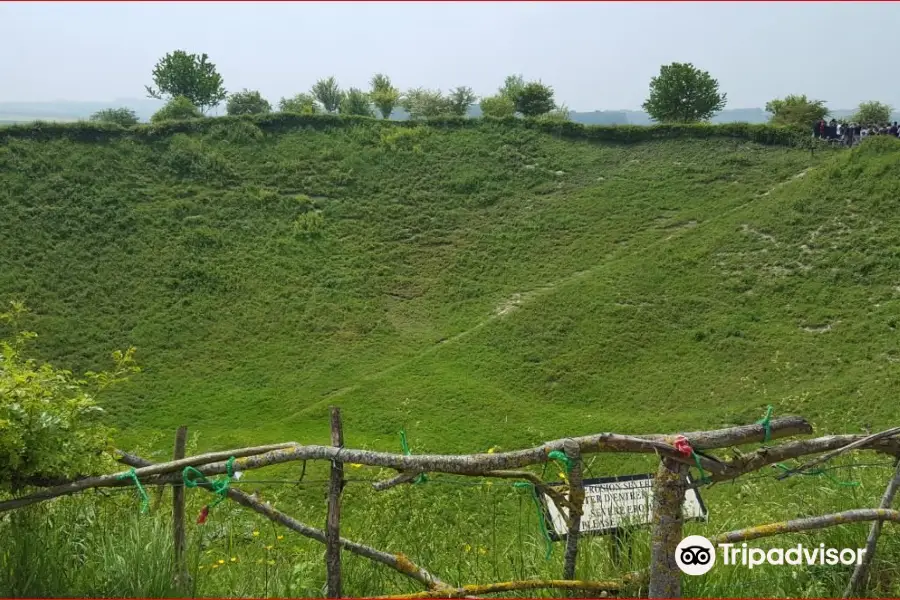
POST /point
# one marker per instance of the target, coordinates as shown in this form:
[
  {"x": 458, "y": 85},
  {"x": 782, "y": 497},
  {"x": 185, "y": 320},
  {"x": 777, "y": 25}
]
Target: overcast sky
[{"x": 595, "y": 55}]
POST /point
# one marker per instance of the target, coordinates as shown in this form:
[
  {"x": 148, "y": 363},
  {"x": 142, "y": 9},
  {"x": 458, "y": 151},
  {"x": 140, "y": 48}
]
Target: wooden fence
[{"x": 677, "y": 454}]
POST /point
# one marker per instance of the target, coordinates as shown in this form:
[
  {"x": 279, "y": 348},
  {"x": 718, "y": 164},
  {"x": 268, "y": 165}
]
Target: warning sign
[{"x": 614, "y": 502}]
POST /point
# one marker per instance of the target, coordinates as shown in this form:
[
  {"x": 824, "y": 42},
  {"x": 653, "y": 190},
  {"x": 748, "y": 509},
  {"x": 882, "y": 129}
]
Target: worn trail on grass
[{"x": 518, "y": 300}]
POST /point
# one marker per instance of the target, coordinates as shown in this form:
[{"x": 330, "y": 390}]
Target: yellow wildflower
[
  {"x": 468, "y": 548},
  {"x": 255, "y": 534},
  {"x": 355, "y": 466},
  {"x": 269, "y": 547},
  {"x": 492, "y": 449},
  {"x": 215, "y": 566},
  {"x": 234, "y": 559},
  {"x": 280, "y": 537},
  {"x": 221, "y": 562},
  {"x": 482, "y": 550}
]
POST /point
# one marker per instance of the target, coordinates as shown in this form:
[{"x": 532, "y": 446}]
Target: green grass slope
[
  {"x": 403, "y": 304},
  {"x": 486, "y": 285}
]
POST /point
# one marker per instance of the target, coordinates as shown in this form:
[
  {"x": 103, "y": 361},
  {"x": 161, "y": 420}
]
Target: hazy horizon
[{"x": 597, "y": 56}]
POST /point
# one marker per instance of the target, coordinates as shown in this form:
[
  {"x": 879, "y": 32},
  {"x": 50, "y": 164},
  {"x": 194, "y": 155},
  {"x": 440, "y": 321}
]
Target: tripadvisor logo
[{"x": 696, "y": 555}]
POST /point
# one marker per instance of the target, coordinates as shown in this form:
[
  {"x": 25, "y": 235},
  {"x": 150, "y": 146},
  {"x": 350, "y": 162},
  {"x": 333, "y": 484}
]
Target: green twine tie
[
  {"x": 561, "y": 457},
  {"x": 548, "y": 541},
  {"x": 703, "y": 477},
  {"x": 823, "y": 472},
  {"x": 145, "y": 499},
  {"x": 218, "y": 487},
  {"x": 766, "y": 422},
  {"x": 405, "y": 445}
]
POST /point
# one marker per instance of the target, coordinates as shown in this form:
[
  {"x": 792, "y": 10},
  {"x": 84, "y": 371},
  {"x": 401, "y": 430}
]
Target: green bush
[
  {"x": 247, "y": 102},
  {"x": 176, "y": 109},
  {"x": 237, "y": 132},
  {"x": 310, "y": 224},
  {"x": 49, "y": 418},
  {"x": 124, "y": 117}
]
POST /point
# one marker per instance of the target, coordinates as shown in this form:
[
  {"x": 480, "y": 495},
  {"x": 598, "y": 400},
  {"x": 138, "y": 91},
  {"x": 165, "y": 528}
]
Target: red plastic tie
[
  {"x": 203, "y": 514},
  {"x": 683, "y": 445}
]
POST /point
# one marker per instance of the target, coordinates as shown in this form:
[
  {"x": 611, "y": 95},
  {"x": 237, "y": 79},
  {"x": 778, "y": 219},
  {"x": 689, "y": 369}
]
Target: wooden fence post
[
  {"x": 669, "y": 487},
  {"x": 333, "y": 522},
  {"x": 178, "y": 531},
  {"x": 576, "y": 497},
  {"x": 862, "y": 569}
]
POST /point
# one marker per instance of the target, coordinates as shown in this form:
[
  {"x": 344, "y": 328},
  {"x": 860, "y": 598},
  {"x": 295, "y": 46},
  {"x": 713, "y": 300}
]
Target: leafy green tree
[
  {"x": 512, "y": 87},
  {"x": 356, "y": 102},
  {"x": 120, "y": 116},
  {"x": 499, "y": 106},
  {"x": 328, "y": 93},
  {"x": 303, "y": 104},
  {"x": 796, "y": 110},
  {"x": 178, "y": 108},
  {"x": 247, "y": 102},
  {"x": 425, "y": 104},
  {"x": 535, "y": 99},
  {"x": 681, "y": 93},
  {"x": 384, "y": 95},
  {"x": 460, "y": 99},
  {"x": 873, "y": 113},
  {"x": 190, "y": 75},
  {"x": 50, "y": 426}
]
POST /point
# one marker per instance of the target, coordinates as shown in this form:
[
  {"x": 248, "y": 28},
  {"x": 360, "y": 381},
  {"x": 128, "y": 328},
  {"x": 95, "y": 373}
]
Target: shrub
[
  {"x": 239, "y": 132},
  {"x": 499, "y": 106},
  {"x": 49, "y": 419},
  {"x": 310, "y": 224},
  {"x": 303, "y": 104},
  {"x": 247, "y": 102},
  {"x": 356, "y": 102},
  {"x": 796, "y": 110},
  {"x": 421, "y": 103},
  {"x": 176, "y": 109},
  {"x": 120, "y": 116}
]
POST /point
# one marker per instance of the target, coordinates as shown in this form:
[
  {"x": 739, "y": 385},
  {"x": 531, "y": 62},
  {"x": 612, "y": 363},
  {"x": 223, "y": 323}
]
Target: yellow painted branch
[
  {"x": 514, "y": 586},
  {"x": 807, "y": 524}
]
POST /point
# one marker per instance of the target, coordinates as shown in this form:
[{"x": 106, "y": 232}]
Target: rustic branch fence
[{"x": 677, "y": 454}]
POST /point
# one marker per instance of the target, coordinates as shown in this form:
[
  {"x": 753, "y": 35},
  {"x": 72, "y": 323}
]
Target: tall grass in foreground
[{"x": 102, "y": 546}]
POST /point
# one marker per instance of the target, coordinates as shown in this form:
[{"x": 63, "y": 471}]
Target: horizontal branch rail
[
  {"x": 775, "y": 454},
  {"x": 866, "y": 441},
  {"x": 807, "y": 524},
  {"x": 472, "y": 464}
]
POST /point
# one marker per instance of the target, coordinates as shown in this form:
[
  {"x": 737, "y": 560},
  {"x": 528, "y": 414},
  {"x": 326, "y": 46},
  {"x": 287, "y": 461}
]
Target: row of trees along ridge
[{"x": 680, "y": 93}]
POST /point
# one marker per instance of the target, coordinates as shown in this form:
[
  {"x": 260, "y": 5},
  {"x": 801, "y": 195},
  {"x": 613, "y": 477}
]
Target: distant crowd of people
[{"x": 850, "y": 134}]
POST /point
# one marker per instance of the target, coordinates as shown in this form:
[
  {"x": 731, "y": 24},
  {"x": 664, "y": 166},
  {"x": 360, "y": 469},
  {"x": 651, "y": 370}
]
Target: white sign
[{"x": 614, "y": 502}]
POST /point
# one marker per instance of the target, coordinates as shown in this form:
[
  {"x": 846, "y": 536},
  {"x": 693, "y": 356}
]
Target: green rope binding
[
  {"x": 827, "y": 475},
  {"x": 548, "y": 541},
  {"x": 561, "y": 457},
  {"x": 766, "y": 422},
  {"x": 405, "y": 445},
  {"x": 218, "y": 486},
  {"x": 145, "y": 499},
  {"x": 703, "y": 477}
]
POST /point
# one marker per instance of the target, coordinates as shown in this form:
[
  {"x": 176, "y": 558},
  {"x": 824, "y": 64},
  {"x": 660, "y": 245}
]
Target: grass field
[{"x": 490, "y": 286}]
